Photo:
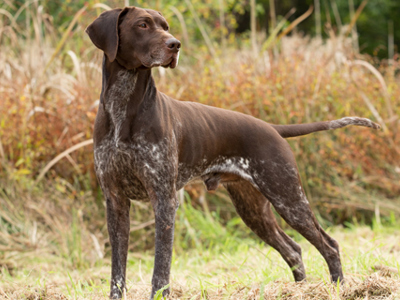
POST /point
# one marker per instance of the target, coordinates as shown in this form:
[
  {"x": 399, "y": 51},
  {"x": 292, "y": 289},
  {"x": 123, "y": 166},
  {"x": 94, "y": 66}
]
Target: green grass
[
  {"x": 54, "y": 245},
  {"x": 220, "y": 265}
]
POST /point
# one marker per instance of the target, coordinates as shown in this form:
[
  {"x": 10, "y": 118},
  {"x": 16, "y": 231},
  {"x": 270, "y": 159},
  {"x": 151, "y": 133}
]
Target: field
[
  {"x": 231, "y": 268},
  {"x": 53, "y": 235}
]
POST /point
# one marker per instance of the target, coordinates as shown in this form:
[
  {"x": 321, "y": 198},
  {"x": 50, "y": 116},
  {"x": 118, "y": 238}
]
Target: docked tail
[{"x": 287, "y": 131}]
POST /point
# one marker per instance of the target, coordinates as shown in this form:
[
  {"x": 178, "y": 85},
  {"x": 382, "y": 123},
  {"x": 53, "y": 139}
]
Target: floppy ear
[{"x": 104, "y": 31}]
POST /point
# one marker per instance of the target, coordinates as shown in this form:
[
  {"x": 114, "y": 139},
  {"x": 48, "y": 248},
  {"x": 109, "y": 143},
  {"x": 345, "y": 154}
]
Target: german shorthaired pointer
[{"x": 148, "y": 145}]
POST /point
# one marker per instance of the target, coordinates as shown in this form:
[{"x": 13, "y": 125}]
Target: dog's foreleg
[
  {"x": 164, "y": 211},
  {"x": 118, "y": 230}
]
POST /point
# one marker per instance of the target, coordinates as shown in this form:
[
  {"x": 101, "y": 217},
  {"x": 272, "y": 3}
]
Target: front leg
[
  {"x": 164, "y": 210},
  {"x": 118, "y": 230}
]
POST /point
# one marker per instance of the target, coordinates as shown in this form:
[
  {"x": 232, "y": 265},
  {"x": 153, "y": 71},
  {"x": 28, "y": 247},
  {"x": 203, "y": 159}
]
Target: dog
[{"x": 147, "y": 146}]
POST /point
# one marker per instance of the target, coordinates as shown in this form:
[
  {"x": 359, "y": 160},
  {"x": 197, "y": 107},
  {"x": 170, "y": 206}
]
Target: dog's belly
[{"x": 226, "y": 168}]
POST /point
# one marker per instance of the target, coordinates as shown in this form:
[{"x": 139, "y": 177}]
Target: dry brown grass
[
  {"x": 382, "y": 284},
  {"x": 50, "y": 88},
  {"x": 374, "y": 287}
]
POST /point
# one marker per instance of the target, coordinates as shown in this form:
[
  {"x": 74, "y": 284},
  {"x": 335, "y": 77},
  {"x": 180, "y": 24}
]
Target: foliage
[{"x": 372, "y": 25}]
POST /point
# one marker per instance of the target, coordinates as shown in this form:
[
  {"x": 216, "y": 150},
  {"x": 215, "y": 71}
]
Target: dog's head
[{"x": 135, "y": 37}]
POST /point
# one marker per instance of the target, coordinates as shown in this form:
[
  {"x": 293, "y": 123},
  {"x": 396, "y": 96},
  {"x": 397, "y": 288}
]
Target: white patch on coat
[
  {"x": 118, "y": 97},
  {"x": 177, "y": 59},
  {"x": 234, "y": 165},
  {"x": 302, "y": 196},
  {"x": 244, "y": 163}
]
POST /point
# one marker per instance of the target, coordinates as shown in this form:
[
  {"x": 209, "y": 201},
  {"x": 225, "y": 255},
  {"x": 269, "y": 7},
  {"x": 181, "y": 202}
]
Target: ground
[{"x": 250, "y": 270}]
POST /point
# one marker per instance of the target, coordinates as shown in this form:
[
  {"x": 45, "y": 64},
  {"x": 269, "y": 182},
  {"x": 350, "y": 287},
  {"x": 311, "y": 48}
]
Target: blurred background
[{"x": 286, "y": 62}]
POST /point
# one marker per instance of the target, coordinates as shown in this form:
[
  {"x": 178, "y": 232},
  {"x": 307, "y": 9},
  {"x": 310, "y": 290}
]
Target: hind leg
[
  {"x": 279, "y": 181},
  {"x": 312, "y": 231},
  {"x": 255, "y": 210}
]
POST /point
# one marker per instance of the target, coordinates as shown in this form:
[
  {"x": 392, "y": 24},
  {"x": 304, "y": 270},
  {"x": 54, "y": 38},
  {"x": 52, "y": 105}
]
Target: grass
[{"x": 234, "y": 268}]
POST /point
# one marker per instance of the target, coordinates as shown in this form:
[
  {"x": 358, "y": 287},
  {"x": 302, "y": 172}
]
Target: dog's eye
[
  {"x": 167, "y": 28},
  {"x": 143, "y": 25}
]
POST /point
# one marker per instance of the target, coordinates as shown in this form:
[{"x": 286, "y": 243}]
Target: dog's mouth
[{"x": 172, "y": 62}]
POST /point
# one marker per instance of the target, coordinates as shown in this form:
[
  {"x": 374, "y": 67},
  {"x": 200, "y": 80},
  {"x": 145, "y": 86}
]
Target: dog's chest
[
  {"x": 115, "y": 170},
  {"x": 126, "y": 169}
]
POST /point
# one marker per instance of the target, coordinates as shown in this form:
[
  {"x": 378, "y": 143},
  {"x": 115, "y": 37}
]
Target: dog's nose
[{"x": 173, "y": 44}]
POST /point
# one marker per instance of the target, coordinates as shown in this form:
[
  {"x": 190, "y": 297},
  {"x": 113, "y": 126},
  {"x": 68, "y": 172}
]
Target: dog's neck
[
  {"x": 125, "y": 94},
  {"x": 122, "y": 85}
]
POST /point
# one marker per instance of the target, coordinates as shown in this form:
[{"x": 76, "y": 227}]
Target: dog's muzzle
[{"x": 173, "y": 46}]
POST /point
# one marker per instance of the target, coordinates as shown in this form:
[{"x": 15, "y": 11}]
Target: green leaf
[{"x": 159, "y": 294}]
